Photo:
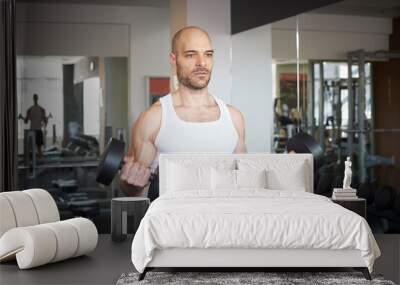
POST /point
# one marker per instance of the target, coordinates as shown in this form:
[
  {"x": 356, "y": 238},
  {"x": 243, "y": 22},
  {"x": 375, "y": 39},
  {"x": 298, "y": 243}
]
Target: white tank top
[{"x": 176, "y": 135}]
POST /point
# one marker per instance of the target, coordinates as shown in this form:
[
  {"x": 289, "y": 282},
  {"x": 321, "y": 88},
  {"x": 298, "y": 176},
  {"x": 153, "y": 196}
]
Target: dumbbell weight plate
[
  {"x": 110, "y": 161},
  {"x": 304, "y": 143}
]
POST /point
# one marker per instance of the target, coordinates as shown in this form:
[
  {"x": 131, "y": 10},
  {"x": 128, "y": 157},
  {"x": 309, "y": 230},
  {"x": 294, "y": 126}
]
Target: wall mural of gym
[{"x": 322, "y": 83}]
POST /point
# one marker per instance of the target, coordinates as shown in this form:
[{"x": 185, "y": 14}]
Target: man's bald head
[
  {"x": 192, "y": 57},
  {"x": 179, "y": 35}
]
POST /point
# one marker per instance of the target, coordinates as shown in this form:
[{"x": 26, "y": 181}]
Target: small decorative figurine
[{"x": 347, "y": 174}]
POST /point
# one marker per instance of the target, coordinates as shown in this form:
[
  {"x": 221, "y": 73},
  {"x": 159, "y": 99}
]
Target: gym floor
[{"x": 110, "y": 259}]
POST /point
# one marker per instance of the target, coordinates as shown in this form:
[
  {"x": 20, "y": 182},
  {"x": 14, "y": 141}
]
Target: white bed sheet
[{"x": 250, "y": 218}]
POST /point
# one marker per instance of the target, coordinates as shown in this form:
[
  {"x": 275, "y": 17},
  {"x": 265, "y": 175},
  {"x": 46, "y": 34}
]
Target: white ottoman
[{"x": 31, "y": 231}]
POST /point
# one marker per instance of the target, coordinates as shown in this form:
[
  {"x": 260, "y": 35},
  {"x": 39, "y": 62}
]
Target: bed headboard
[{"x": 217, "y": 159}]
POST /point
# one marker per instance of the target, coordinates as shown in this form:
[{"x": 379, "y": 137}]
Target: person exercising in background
[
  {"x": 187, "y": 120},
  {"x": 37, "y": 117}
]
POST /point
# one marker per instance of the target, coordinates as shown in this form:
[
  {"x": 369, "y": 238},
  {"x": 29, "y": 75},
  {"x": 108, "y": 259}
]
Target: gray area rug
[{"x": 225, "y": 278}]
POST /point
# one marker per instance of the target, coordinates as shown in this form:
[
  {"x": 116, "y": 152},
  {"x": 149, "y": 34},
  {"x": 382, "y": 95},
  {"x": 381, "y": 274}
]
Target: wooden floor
[{"x": 111, "y": 259}]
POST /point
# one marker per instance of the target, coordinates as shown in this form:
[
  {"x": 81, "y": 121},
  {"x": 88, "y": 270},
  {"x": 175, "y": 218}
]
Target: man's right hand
[{"x": 134, "y": 173}]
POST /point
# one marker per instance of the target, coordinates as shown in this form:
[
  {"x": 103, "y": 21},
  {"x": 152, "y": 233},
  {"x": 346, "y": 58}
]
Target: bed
[{"x": 247, "y": 210}]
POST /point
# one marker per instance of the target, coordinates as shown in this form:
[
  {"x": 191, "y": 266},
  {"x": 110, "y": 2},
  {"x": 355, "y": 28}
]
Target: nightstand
[
  {"x": 357, "y": 205},
  {"x": 126, "y": 214}
]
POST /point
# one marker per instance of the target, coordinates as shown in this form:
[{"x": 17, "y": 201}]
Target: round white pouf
[
  {"x": 33, "y": 246},
  {"x": 45, "y": 205},
  {"x": 67, "y": 240},
  {"x": 23, "y": 208},
  {"x": 87, "y": 235},
  {"x": 7, "y": 218},
  {"x": 40, "y": 244}
]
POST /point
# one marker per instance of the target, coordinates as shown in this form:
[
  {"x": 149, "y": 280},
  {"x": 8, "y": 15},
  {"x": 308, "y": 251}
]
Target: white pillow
[
  {"x": 251, "y": 178},
  {"x": 182, "y": 177},
  {"x": 293, "y": 179},
  {"x": 283, "y": 173},
  {"x": 236, "y": 179},
  {"x": 223, "y": 179}
]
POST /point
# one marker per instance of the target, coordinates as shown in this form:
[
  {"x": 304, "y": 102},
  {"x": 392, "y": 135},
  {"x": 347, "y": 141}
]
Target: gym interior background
[{"x": 95, "y": 65}]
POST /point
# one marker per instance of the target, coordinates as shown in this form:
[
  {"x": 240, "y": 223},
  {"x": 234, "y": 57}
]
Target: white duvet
[{"x": 250, "y": 218}]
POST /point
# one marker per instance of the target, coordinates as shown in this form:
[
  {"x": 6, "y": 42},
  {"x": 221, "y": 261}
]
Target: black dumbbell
[
  {"x": 304, "y": 143},
  {"x": 110, "y": 162}
]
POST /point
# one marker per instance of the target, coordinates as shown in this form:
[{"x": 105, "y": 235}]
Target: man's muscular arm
[
  {"x": 239, "y": 124},
  {"x": 136, "y": 170}
]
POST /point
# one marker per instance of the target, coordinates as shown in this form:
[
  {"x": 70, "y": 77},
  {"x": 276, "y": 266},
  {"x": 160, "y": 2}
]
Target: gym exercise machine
[
  {"x": 359, "y": 133},
  {"x": 363, "y": 131}
]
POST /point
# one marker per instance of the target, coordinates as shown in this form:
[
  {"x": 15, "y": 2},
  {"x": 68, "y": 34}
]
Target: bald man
[{"x": 187, "y": 120}]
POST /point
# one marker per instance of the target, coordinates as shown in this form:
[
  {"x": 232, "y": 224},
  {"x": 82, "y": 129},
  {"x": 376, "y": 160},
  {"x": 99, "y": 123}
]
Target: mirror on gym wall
[
  {"x": 68, "y": 107},
  {"x": 88, "y": 68},
  {"x": 349, "y": 75},
  {"x": 330, "y": 72}
]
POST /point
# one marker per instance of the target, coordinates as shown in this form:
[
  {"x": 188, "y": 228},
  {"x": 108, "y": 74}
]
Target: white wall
[
  {"x": 324, "y": 36},
  {"x": 91, "y": 106},
  {"x": 252, "y": 85},
  {"x": 116, "y": 84},
  {"x": 214, "y": 17},
  {"x": 150, "y": 47},
  {"x": 142, "y": 33}
]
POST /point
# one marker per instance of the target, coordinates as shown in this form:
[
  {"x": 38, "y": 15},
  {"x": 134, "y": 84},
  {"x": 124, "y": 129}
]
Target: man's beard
[{"x": 188, "y": 82}]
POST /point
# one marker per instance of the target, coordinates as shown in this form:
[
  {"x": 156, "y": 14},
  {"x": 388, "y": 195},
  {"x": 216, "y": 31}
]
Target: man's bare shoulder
[
  {"x": 151, "y": 113},
  {"x": 156, "y": 104},
  {"x": 235, "y": 113},
  {"x": 149, "y": 121},
  {"x": 237, "y": 119}
]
